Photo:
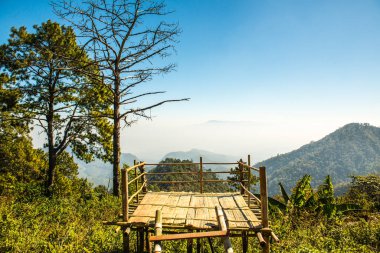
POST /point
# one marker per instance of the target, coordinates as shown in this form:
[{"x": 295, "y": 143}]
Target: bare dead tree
[{"x": 128, "y": 41}]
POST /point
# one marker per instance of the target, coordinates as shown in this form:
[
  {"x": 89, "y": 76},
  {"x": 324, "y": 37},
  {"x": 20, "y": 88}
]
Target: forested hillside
[
  {"x": 188, "y": 186},
  {"x": 351, "y": 150}
]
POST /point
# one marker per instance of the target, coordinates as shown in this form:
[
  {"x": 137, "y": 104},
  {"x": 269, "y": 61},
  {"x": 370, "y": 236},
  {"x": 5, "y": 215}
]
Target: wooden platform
[{"x": 194, "y": 211}]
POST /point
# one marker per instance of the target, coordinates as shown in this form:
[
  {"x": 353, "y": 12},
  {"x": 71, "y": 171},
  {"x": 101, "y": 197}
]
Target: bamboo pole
[
  {"x": 158, "y": 230},
  {"x": 124, "y": 192},
  {"x": 201, "y": 175},
  {"x": 249, "y": 180},
  {"x": 136, "y": 181},
  {"x": 241, "y": 177},
  {"x": 147, "y": 243},
  {"x": 261, "y": 239},
  {"x": 264, "y": 209},
  {"x": 223, "y": 227}
]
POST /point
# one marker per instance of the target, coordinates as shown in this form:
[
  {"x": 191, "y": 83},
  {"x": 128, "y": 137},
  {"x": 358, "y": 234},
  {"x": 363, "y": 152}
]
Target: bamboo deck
[{"x": 195, "y": 211}]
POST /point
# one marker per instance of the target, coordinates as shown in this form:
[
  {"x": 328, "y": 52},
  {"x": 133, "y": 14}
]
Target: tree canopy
[{"x": 46, "y": 70}]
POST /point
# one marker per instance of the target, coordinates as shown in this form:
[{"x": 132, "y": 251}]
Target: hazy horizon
[{"x": 149, "y": 141}]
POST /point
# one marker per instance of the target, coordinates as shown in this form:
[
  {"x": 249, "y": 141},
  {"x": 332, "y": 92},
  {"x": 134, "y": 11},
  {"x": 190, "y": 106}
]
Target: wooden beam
[
  {"x": 188, "y": 236},
  {"x": 241, "y": 176},
  {"x": 264, "y": 209},
  {"x": 200, "y": 175},
  {"x": 124, "y": 192},
  {"x": 249, "y": 180}
]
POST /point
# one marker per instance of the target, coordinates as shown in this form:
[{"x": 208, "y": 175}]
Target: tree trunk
[
  {"x": 52, "y": 152},
  {"x": 116, "y": 140}
]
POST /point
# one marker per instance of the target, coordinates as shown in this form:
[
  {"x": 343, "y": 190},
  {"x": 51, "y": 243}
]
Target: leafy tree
[
  {"x": 128, "y": 45},
  {"x": 234, "y": 176},
  {"x": 365, "y": 190},
  {"x": 326, "y": 199},
  {"x": 45, "y": 69},
  {"x": 302, "y": 193},
  {"x": 303, "y": 198}
]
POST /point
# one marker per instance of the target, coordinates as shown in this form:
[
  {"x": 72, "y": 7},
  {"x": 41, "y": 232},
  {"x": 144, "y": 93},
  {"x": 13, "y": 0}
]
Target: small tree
[
  {"x": 45, "y": 69},
  {"x": 128, "y": 42}
]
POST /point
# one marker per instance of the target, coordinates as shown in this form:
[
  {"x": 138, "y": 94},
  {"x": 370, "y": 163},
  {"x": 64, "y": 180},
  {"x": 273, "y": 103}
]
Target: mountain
[
  {"x": 99, "y": 172},
  {"x": 207, "y": 157},
  {"x": 195, "y": 154},
  {"x": 353, "y": 149}
]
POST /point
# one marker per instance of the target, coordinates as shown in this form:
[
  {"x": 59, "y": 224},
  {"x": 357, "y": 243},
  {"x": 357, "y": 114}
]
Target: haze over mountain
[
  {"x": 353, "y": 149},
  {"x": 195, "y": 154},
  {"x": 99, "y": 172}
]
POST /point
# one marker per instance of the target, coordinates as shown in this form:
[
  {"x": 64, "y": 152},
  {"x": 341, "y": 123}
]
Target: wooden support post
[
  {"x": 210, "y": 243},
  {"x": 241, "y": 177},
  {"x": 124, "y": 192},
  {"x": 200, "y": 175},
  {"x": 147, "y": 243},
  {"x": 126, "y": 232},
  {"x": 264, "y": 209},
  {"x": 158, "y": 230},
  {"x": 249, "y": 180},
  {"x": 136, "y": 182},
  {"x": 198, "y": 245},
  {"x": 125, "y": 208},
  {"x": 190, "y": 244},
  {"x": 244, "y": 240},
  {"x": 140, "y": 247}
]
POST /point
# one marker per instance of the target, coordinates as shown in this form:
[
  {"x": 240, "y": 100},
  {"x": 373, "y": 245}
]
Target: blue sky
[{"x": 275, "y": 74}]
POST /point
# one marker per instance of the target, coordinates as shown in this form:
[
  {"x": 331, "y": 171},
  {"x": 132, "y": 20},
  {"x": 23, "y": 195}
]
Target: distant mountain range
[
  {"x": 195, "y": 154},
  {"x": 353, "y": 149},
  {"x": 99, "y": 172}
]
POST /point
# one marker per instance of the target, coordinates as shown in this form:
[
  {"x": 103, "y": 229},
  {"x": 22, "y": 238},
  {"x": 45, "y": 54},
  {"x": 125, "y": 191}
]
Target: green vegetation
[{"x": 47, "y": 79}]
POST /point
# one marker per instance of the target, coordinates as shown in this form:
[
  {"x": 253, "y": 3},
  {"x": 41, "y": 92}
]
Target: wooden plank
[
  {"x": 190, "y": 212},
  {"x": 181, "y": 212},
  {"x": 168, "y": 212},
  {"x": 199, "y": 211},
  {"x": 188, "y": 236},
  {"x": 226, "y": 205}
]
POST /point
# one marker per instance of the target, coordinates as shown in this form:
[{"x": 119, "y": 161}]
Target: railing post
[
  {"x": 137, "y": 181},
  {"x": 124, "y": 190},
  {"x": 249, "y": 180},
  {"x": 200, "y": 175},
  {"x": 241, "y": 178},
  {"x": 125, "y": 207},
  {"x": 264, "y": 209}
]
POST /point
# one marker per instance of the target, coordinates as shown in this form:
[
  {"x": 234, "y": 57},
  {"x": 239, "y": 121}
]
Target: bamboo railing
[
  {"x": 244, "y": 176},
  {"x": 245, "y": 172}
]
